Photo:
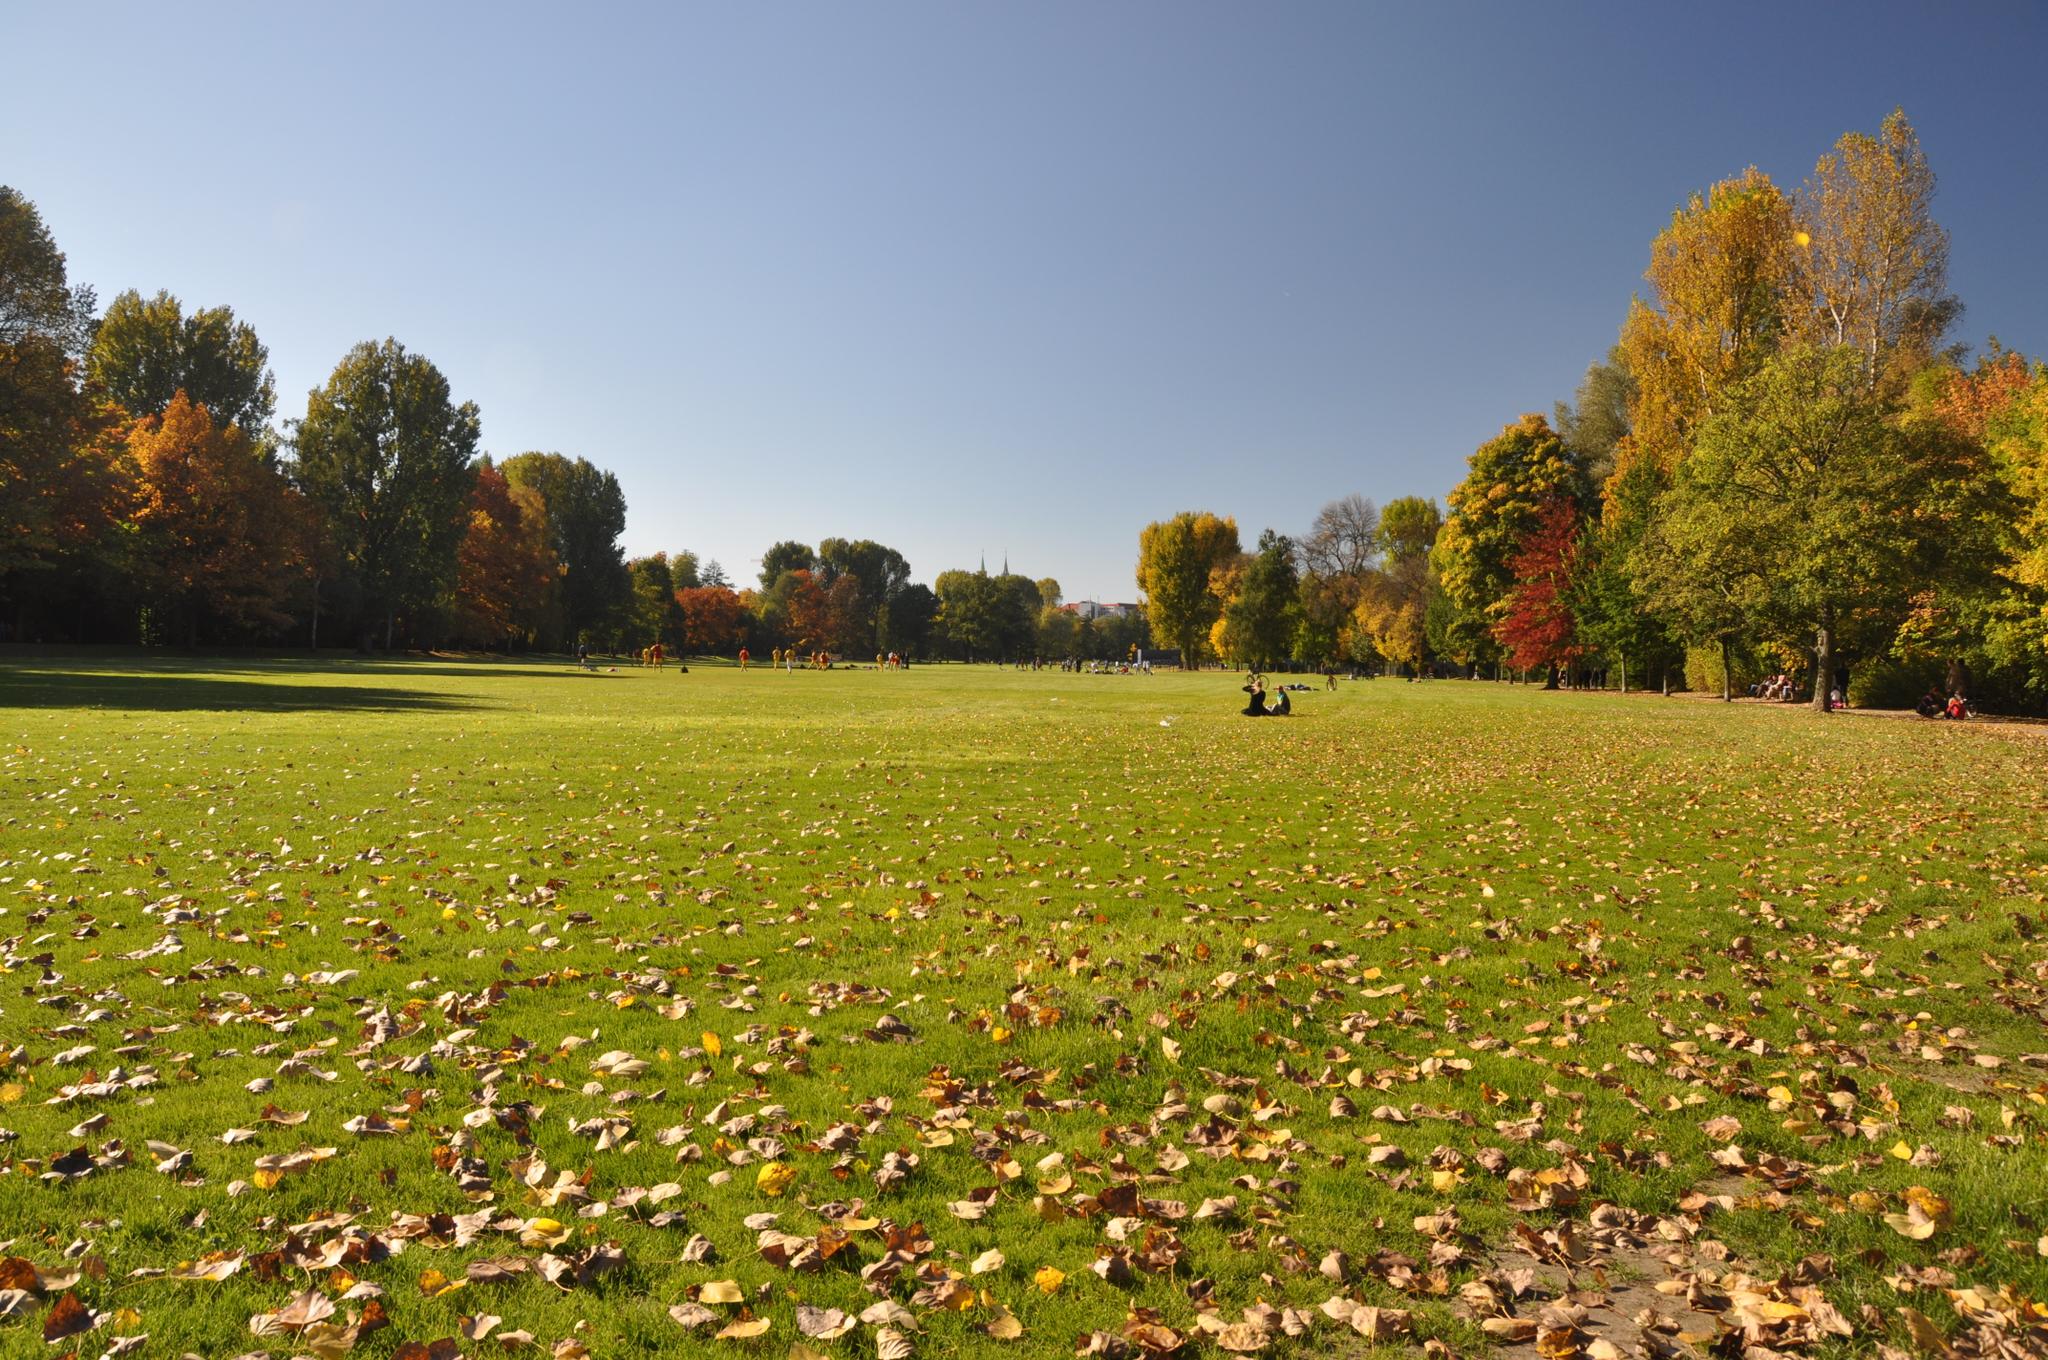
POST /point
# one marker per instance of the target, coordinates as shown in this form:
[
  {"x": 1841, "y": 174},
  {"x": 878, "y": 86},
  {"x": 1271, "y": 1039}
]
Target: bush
[{"x": 1888, "y": 683}]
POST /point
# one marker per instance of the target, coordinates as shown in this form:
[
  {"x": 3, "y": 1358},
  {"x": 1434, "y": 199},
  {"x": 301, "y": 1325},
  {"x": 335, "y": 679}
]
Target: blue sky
[{"x": 967, "y": 277}]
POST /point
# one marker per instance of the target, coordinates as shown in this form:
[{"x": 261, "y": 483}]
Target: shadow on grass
[{"x": 53, "y": 687}]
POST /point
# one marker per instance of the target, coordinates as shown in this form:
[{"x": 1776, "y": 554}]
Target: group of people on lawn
[{"x": 1255, "y": 703}]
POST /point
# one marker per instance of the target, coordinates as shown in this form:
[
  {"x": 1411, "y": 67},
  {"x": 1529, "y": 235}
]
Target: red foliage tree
[
  {"x": 1536, "y": 626},
  {"x": 214, "y": 520},
  {"x": 712, "y": 616},
  {"x": 504, "y": 566},
  {"x": 1968, "y": 402}
]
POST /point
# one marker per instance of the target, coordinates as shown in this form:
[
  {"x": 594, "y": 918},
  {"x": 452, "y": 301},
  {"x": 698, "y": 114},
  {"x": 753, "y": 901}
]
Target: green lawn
[{"x": 652, "y": 981}]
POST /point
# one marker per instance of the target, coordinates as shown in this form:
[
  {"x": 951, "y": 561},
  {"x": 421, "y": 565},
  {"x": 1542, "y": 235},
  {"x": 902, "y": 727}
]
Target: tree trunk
[
  {"x": 315, "y": 644},
  {"x": 1727, "y": 674},
  {"x": 1550, "y": 678},
  {"x": 1623, "y": 661},
  {"x": 1957, "y": 677},
  {"x": 1823, "y": 661},
  {"x": 390, "y": 625}
]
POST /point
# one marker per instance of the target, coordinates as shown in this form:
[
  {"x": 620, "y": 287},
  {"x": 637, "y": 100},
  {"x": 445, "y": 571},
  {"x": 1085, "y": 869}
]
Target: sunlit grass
[{"x": 1570, "y": 928}]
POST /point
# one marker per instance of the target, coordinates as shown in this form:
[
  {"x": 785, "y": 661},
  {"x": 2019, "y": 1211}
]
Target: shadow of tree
[{"x": 169, "y": 691}]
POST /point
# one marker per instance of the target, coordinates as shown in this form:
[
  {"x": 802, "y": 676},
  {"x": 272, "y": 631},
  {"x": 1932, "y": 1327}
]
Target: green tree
[
  {"x": 147, "y": 351},
  {"x": 1615, "y": 616},
  {"x": 586, "y": 516},
  {"x": 386, "y": 455},
  {"x": 880, "y": 570},
  {"x": 1408, "y": 527},
  {"x": 1259, "y": 621},
  {"x": 654, "y": 615},
  {"x": 37, "y": 302},
  {"x": 975, "y": 613},
  {"x": 906, "y": 618},
  {"x": 1175, "y": 560},
  {"x": 788, "y": 555},
  {"x": 1801, "y": 505},
  {"x": 63, "y": 478},
  {"x": 1597, "y": 420}
]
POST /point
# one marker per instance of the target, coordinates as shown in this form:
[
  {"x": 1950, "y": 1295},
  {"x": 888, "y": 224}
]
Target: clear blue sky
[{"x": 967, "y": 277}]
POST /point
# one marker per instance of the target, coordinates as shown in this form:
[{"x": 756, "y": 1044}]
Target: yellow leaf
[
  {"x": 774, "y": 1177},
  {"x": 713, "y": 1044},
  {"x": 1049, "y": 1279},
  {"x": 1902, "y": 1150},
  {"x": 543, "y": 1232},
  {"x": 720, "y": 1291}
]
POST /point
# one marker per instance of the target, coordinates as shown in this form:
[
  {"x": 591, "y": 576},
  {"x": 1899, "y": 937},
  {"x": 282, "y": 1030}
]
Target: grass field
[{"x": 966, "y": 1012}]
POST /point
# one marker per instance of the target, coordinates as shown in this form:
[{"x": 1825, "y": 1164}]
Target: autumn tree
[
  {"x": 146, "y": 351},
  {"x": 387, "y": 456},
  {"x": 808, "y": 610},
  {"x": 213, "y": 523},
  {"x": 1872, "y": 262},
  {"x": 1392, "y": 612},
  {"x": 1536, "y": 627},
  {"x": 586, "y": 516},
  {"x": 1990, "y": 607},
  {"x": 711, "y": 618},
  {"x": 1511, "y": 478},
  {"x": 1720, "y": 275},
  {"x": 1175, "y": 560},
  {"x": 505, "y": 569}
]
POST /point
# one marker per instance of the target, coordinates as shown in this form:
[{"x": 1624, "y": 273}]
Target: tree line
[
  {"x": 1784, "y": 465},
  {"x": 148, "y": 494}
]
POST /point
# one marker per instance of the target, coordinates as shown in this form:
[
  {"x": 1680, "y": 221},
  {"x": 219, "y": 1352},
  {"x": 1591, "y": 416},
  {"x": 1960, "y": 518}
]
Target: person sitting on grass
[
  {"x": 1255, "y": 707},
  {"x": 1931, "y": 704},
  {"x": 1281, "y": 706},
  {"x": 1958, "y": 707}
]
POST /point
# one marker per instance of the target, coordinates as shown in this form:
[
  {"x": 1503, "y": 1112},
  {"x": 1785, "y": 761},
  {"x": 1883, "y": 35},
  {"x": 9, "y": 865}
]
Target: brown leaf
[{"x": 68, "y": 1317}]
